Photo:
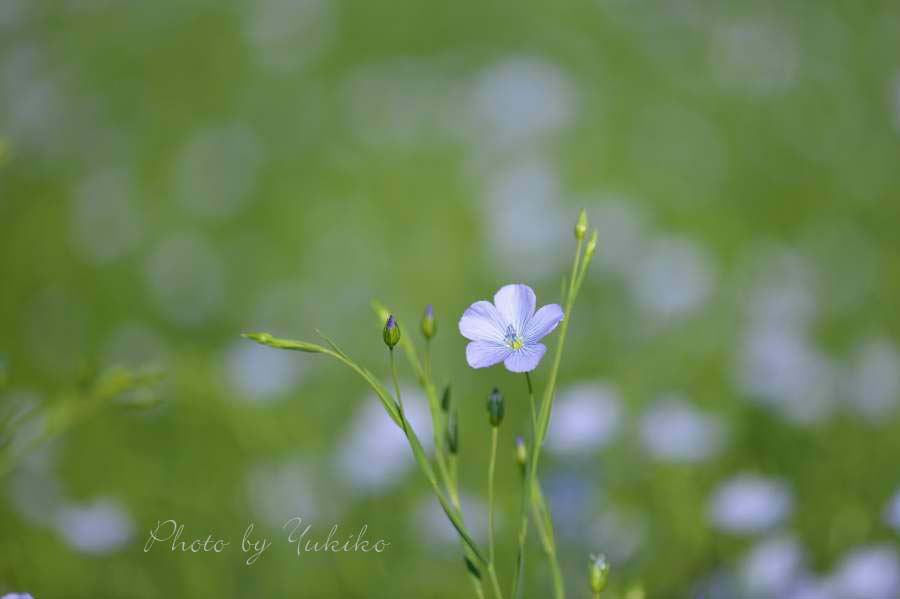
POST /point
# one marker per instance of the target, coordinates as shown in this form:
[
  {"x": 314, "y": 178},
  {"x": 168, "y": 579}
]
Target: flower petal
[
  {"x": 542, "y": 323},
  {"x": 525, "y": 359},
  {"x": 481, "y": 354},
  {"x": 482, "y": 322},
  {"x": 515, "y": 303}
]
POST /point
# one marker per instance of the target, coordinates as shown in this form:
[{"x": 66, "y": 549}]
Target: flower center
[{"x": 512, "y": 339}]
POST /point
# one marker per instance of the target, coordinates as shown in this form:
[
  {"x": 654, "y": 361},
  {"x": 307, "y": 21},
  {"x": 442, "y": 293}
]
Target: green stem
[
  {"x": 540, "y": 426},
  {"x": 491, "y": 468},
  {"x": 452, "y": 488},
  {"x": 526, "y": 499},
  {"x": 396, "y": 384}
]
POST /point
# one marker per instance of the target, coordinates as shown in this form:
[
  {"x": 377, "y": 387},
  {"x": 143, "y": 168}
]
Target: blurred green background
[{"x": 175, "y": 173}]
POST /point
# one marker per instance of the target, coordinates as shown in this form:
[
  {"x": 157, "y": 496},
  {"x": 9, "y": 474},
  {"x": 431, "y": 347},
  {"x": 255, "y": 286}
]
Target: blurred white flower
[
  {"x": 520, "y": 100},
  {"x": 431, "y": 522},
  {"x": 782, "y": 304},
  {"x": 525, "y": 197},
  {"x": 753, "y": 56},
  {"x": 772, "y": 566},
  {"x": 674, "y": 430},
  {"x": 674, "y": 277},
  {"x": 34, "y": 104},
  {"x": 278, "y": 491},
  {"x": 870, "y": 572},
  {"x": 34, "y": 489},
  {"x": 217, "y": 172},
  {"x": 809, "y": 587},
  {"x": 101, "y": 526},
  {"x": 586, "y": 416},
  {"x": 374, "y": 453},
  {"x": 892, "y": 512},
  {"x": 106, "y": 220},
  {"x": 286, "y": 35},
  {"x": 620, "y": 532},
  {"x": 780, "y": 367},
  {"x": 401, "y": 102},
  {"x": 874, "y": 381},
  {"x": 13, "y": 13},
  {"x": 895, "y": 101},
  {"x": 186, "y": 279},
  {"x": 260, "y": 373},
  {"x": 135, "y": 344},
  {"x": 748, "y": 503},
  {"x": 620, "y": 224}
]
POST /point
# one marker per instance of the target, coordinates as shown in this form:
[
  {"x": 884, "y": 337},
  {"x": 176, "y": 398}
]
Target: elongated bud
[
  {"x": 599, "y": 573},
  {"x": 591, "y": 245},
  {"x": 445, "y": 399},
  {"x": 521, "y": 453},
  {"x": 581, "y": 226},
  {"x": 495, "y": 407},
  {"x": 429, "y": 328},
  {"x": 391, "y": 332},
  {"x": 453, "y": 434}
]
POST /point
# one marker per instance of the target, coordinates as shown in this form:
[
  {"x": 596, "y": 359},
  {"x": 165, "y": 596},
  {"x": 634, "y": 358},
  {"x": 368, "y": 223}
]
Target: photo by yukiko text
[{"x": 511, "y": 330}]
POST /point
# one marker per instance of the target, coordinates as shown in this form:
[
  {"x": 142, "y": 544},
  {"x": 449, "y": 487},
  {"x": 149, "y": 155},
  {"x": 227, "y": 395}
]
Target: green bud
[
  {"x": 391, "y": 332},
  {"x": 581, "y": 226},
  {"x": 521, "y": 453},
  {"x": 429, "y": 329},
  {"x": 495, "y": 407},
  {"x": 453, "y": 433},
  {"x": 445, "y": 399},
  {"x": 599, "y": 573},
  {"x": 591, "y": 245}
]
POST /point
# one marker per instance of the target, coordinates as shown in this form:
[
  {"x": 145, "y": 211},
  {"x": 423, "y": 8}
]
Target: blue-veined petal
[
  {"x": 515, "y": 303},
  {"x": 525, "y": 359},
  {"x": 481, "y": 354},
  {"x": 542, "y": 323},
  {"x": 482, "y": 322}
]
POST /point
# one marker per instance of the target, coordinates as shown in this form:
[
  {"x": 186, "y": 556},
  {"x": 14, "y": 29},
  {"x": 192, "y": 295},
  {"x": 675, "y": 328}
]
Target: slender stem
[
  {"x": 540, "y": 425},
  {"x": 526, "y": 498},
  {"x": 396, "y": 384},
  {"x": 491, "y": 468},
  {"x": 449, "y": 478}
]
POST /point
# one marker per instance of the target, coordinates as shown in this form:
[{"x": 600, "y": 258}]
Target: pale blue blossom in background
[{"x": 509, "y": 330}]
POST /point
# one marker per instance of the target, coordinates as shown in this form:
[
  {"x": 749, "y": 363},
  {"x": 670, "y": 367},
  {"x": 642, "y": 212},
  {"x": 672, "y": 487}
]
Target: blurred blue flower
[{"x": 509, "y": 330}]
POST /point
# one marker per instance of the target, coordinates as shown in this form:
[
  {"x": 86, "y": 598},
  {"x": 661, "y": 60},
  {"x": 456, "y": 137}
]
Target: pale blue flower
[{"x": 509, "y": 330}]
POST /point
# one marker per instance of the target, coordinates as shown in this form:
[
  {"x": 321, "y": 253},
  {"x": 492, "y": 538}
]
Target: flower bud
[
  {"x": 445, "y": 399},
  {"x": 429, "y": 329},
  {"x": 581, "y": 226},
  {"x": 591, "y": 245},
  {"x": 391, "y": 332},
  {"x": 521, "y": 452},
  {"x": 452, "y": 434},
  {"x": 495, "y": 407},
  {"x": 599, "y": 572}
]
